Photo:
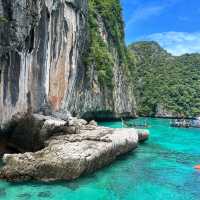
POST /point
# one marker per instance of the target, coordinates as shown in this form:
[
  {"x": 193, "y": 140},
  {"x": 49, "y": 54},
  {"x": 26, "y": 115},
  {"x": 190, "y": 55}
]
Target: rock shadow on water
[
  {"x": 74, "y": 185},
  {"x": 24, "y": 196},
  {"x": 84, "y": 180},
  {"x": 45, "y": 194},
  {"x": 2, "y": 192}
]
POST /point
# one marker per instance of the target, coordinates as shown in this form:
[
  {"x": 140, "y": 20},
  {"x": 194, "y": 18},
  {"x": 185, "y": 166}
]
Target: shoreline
[{"x": 134, "y": 118}]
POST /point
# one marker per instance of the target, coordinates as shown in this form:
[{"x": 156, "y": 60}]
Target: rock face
[
  {"x": 161, "y": 111},
  {"x": 109, "y": 93},
  {"x": 41, "y": 62},
  {"x": 28, "y": 132},
  {"x": 66, "y": 157},
  {"x": 40, "y": 53}
]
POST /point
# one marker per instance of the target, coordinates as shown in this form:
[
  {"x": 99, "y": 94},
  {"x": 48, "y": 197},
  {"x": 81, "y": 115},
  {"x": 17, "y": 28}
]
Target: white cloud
[
  {"x": 144, "y": 13},
  {"x": 143, "y": 10},
  {"x": 184, "y": 18},
  {"x": 177, "y": 43}
]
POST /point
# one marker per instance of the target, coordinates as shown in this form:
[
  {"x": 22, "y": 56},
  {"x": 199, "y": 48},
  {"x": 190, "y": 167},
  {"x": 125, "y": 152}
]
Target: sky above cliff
[{"x": 173, "y": 23}]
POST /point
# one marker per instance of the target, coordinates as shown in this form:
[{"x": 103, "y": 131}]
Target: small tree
[{"x": 3, "y": 20}]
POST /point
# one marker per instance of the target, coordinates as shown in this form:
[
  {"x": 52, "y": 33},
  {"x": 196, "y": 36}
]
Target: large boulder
[{"x": 66, "y": 157}]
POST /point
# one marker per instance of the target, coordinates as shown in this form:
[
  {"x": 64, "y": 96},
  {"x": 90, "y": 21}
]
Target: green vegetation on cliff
[
  {"x": 3, "y": 20},
  {"x": 165, "y": 81},
  {"x": 163, "y": 84},
  {"x": 106, "y": 32}
]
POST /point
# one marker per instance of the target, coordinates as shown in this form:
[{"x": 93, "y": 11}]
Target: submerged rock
[
  {"x": 24, "y": 196},
  {"x": 68, "y": 156},
  {"x": 2, "y": 192},
  {"x": 46, "y": 194}
]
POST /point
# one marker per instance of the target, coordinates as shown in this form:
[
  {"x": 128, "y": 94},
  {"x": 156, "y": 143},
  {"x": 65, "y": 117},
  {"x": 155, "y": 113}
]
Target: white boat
[
  {"x": 186, "y": 123},
  {"x": 196, "y": 122}
]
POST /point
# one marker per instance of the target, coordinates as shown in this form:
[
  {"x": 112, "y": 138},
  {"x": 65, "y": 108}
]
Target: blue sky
[{"x": 175, "y": 24}]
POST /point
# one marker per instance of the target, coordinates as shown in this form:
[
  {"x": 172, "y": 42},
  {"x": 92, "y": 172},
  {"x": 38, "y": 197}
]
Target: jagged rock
[
  {"x": 71, "y": 130},
  {"x": 62, "y": 115},
  {"x": 67, "y": 157},
  {"x": 73, "y": 121},
  {"x": 93, "y": 123}
]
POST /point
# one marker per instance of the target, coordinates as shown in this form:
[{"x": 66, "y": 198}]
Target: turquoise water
[{"x": 160, "y": 169}]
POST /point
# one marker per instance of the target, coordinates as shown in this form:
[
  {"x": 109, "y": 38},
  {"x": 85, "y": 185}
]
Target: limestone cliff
[
  {"x": 41, "y": 43},
  {"x": 43, "y": 48},
  {"x": 107, "y": 92}
]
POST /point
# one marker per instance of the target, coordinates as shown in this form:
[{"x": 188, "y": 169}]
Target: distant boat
[
  {"x": 132, "y": 124},
  {"x": 196, "y": 122},
  {"x": 181, "y": 123},
  {"x": 186, "y": 123}
]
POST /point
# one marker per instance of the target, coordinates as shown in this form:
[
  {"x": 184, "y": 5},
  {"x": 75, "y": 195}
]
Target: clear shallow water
[{"x": 160, "y": 169}]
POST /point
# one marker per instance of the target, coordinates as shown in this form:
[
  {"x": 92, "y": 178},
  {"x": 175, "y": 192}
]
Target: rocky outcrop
[
  {"x": 41, "y": 62},
  {"x": 68, "y": 156}
]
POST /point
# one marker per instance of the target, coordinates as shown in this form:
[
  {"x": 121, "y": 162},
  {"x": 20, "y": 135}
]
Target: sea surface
[{"x": 162, "y": 168}]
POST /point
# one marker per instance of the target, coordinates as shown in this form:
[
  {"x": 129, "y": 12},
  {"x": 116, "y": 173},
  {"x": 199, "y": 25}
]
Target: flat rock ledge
[{"x": 68, "y": 156}]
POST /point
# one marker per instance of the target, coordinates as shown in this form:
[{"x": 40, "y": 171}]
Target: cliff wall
[{"x": 44, "y": 60}]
